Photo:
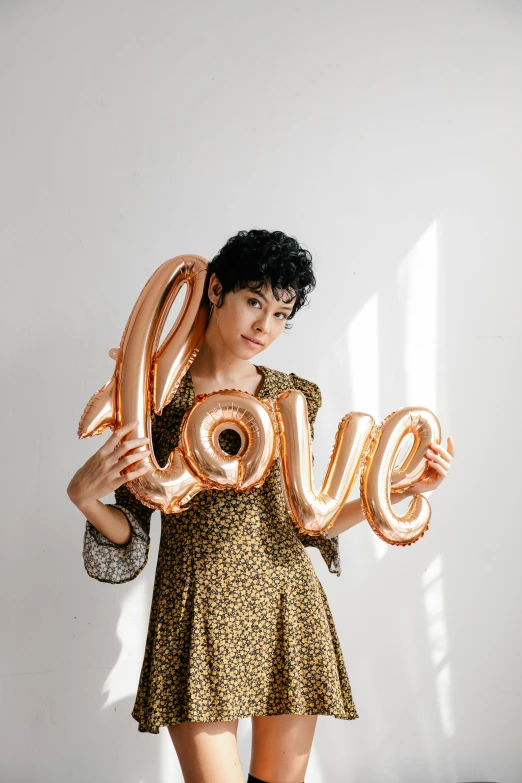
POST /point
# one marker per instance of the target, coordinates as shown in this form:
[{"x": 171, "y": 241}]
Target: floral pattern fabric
[{"x": 239, "y": 624}]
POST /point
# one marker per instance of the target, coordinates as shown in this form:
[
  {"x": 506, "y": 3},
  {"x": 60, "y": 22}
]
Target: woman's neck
[{"x": 215, "y": 367}]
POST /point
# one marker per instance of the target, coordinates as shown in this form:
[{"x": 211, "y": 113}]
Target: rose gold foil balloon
[
  {"x": 377, "y": 471},
  {"x": 235, "y": 410},
  {"x": 147, "y": 376},
  {"x": 312, "y": 511}
]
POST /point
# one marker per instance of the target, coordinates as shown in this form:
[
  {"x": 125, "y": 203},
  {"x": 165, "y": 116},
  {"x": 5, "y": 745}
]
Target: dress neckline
[{"x": 260, "y": 393}]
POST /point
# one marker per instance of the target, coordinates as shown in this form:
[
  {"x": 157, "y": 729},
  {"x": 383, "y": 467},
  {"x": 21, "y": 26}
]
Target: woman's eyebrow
[{"x": 283, "y": 307}]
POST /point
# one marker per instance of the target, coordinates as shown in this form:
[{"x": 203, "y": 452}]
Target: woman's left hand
[{"x": 439, "y": 460}]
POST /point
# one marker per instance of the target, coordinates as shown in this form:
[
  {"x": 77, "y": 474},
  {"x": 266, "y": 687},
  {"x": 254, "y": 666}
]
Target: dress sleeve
[
  {"x": 117, "y": 563},
  {"x": 327, "y": 545}
]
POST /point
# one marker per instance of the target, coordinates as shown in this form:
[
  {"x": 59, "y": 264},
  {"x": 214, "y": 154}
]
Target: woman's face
[{"x": 249, "y": 321}]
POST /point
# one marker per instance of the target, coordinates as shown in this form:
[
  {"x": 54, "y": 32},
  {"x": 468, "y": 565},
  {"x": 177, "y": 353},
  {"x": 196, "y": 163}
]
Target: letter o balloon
[{"x": 229, "y": 409}]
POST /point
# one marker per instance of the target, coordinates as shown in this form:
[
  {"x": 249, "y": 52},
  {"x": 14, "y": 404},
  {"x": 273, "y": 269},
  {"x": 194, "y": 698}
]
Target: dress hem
[{"x": 154, "y": 728}]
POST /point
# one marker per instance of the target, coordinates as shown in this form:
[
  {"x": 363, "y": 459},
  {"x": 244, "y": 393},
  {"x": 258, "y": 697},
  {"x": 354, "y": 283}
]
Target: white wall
[{"x": 386, "y": 138}]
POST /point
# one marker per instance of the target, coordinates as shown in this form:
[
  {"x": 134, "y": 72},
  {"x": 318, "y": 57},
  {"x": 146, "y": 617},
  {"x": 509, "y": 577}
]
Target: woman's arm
[
  {"x": 351, "y": 514},
  {"x": 109, "y": 521}
]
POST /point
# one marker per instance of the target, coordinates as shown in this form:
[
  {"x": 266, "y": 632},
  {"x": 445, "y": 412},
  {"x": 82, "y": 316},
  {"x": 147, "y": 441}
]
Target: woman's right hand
[{"x": 101, "y": 474}]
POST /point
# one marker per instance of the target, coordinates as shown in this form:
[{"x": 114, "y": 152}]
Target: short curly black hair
[{"x": 258, "y": 257}]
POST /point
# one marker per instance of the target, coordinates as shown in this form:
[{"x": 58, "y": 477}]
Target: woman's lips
[{"x": 252, "y": 342}]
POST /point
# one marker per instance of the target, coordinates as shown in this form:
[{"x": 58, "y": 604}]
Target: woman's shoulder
[{"x": 277, "y": 381}]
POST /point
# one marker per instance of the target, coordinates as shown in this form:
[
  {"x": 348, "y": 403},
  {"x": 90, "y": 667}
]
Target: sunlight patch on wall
[
  {"x": 363, "y": 357},
  {"x": 444, "y": 696},
  {"x": 432, "y": 581},
  {"x": 131, "y": 630},
  {"x": 314, "y": 774},
  {"x": 170, "y": 769}
]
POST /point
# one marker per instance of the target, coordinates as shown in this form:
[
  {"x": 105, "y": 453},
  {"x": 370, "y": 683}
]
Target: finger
[
  {"x": 439, "y": 469},
  {"x": 126, "y": 429},
  {"x": 451, "y": 445},
  {"x": 118, "y": 434},
  {"x": 129, "y": 445},
  {"x": 139, "y": 451},
  {"x": 130, "y": 470},
  {"x": 131, "y": 459},
  {"x": 133, "y": 474},
  {"x": 436, "y": 447},
  {"x": 436, "y": 458}
]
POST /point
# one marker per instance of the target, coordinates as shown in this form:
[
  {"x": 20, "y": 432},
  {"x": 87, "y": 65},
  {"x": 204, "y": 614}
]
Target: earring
[{"x": 217, "y": 319}]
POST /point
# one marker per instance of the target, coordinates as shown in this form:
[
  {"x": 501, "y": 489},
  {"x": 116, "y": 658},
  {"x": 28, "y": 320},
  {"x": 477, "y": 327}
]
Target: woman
[{"x": 239, "y": 625}]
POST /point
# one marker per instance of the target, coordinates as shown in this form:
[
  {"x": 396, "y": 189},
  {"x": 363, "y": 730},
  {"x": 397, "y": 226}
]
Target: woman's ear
[{"x": 214, "y": 289}]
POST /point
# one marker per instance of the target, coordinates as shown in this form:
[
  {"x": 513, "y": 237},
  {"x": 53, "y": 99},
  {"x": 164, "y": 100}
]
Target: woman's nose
[{"x": 262, "y": 324}]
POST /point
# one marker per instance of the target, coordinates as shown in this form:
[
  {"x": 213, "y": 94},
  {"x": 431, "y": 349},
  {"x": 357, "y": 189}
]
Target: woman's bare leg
[
  {"x": 207, "y": 752},
  {"x": 281, "y": 746}
]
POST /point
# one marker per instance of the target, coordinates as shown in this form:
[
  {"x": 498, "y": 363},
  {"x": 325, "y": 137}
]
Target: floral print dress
[{"x": 239, "y": 624}]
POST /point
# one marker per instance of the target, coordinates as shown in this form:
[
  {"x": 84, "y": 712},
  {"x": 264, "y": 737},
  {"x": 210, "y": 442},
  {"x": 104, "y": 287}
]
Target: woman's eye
[{"x": 279, "y": 316}]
